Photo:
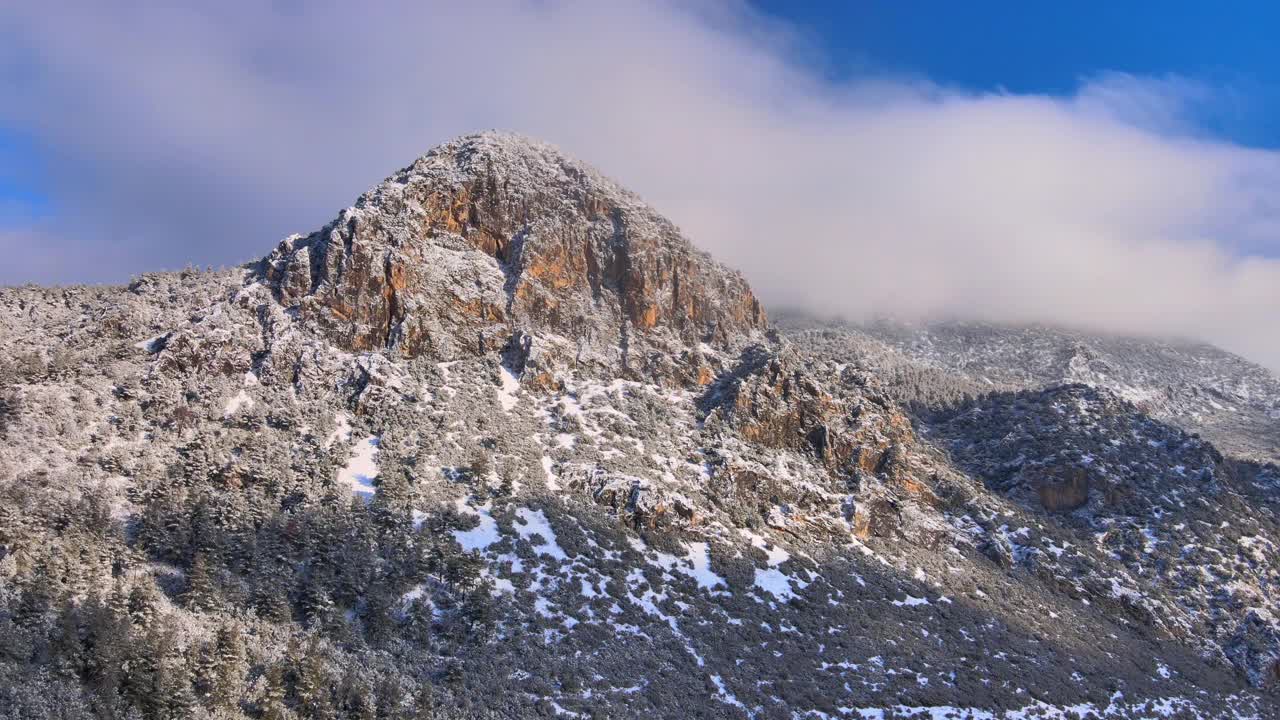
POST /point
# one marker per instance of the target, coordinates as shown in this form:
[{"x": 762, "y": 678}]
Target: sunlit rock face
[{"x": 493, "y": 234}]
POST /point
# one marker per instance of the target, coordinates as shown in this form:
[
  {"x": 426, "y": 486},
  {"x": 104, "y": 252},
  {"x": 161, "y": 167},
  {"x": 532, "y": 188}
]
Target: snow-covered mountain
[
  {"x": 500, "y": 442},
  {"x": 1230, "y": 400}
]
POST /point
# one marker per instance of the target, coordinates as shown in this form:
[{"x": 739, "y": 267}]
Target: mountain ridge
[
  {"x": 1197, "y": 385},
  {"x": 267, "y": 492}
]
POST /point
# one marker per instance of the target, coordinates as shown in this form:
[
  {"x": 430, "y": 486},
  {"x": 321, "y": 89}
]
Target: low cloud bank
[{"x": 203, "y": 135}]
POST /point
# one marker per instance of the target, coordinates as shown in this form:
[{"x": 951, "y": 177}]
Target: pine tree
[
  {"x": 379, "y": 604},
  {"x": 107, "y": 646},
  {"x": 454, "y": 675},
  {"x": 118, "y": 600},
  {"x": 202, "y": 591},
  {"x": 67, "y": 647},
  {"x": 481, "y": 465},
  {"x": 174, "y": 689},
  {"x": 388, "y": 697},
  {"x": 419, "y": 619},
  {"x": 354, "y": 558},
  {"x": 163, "y": 525},
  {"x": 314, "y": 693},
  {"x": 479, "y": 610},
  {"x": 271, "y": 603},
  {"x": 357, "y": 698},
  {"x": 392, "y": 507},
  {"x": 508, "y": 485},
  {"x": 143, "y": 603},
  {"x": 317, "y": 606},
  {"x": 271, "y": 575},
  {"x": 36, "y": 598},
  {"x": 273, "y": 706},
  {"x": 424, "y": 702},
  {"x": 230, "y": 667},
  {"x": 159, "y": 678},
  {"x": 140, "y": 673}
]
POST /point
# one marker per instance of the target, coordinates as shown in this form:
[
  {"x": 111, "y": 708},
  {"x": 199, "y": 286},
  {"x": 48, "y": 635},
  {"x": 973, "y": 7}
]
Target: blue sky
[
  {"x": 1016, "y": 47},
  {"x": 21, "y": 196},
  {"x": 1112, "y": 165},
  {"x": 1046, "y": 47}
]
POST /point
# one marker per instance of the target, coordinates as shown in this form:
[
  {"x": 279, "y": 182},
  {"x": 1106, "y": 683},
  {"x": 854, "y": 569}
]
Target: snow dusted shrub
[{"x": 10, "y": 407}]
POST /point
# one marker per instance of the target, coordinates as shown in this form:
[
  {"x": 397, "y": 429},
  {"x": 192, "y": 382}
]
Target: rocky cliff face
[{"x": 494, "y": 234}]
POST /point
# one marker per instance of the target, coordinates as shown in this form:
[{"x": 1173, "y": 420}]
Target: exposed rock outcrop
[
  {"x": 495, "y": 234},
  {"x": 771, "y": 399}
]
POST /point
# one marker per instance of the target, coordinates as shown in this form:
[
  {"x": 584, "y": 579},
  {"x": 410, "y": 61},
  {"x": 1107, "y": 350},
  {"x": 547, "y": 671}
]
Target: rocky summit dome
[{"x": 495, "y": 234}]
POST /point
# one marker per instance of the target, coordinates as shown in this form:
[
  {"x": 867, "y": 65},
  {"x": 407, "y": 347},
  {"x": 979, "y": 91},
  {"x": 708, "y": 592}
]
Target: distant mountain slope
[
  {"x": 1197, "y": 386},
  {"x": 499, "y": 442}
]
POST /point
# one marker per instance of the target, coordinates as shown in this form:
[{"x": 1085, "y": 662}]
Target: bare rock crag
[{"x": 492, "y": 234}]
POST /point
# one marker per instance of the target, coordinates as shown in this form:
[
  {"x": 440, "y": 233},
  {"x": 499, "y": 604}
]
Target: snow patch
[
  {"x": 775, "y": 582},
  {"x": 482, "y": 535},
  {"x": 236, "y": 403},
  {"x": 361, "y": 469},
  {"x": 777, "y": 555},
  {"x": 507, "y": 391},
  {"x": 341, "y": 429},
  {"x": 1156, "y": 708},
  {"x": 152, "y": 344},
  {"x": 533, "y": 522},
  {"x": 772, "y": 580},
  {"x": 696, "y": 563},
  {"x": 724, "y": 696},
  {"x": 700, "y": 557},
  {"x": 553, "y": 482}
]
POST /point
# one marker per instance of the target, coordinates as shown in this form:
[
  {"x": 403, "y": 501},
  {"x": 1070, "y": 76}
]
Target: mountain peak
[
  {"x": 520, "y": 160},
  {"x": 494, "y": 234}
]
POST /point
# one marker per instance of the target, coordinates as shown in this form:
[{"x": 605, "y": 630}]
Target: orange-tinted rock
[
  {"x": 877, "y": 518},
  {"x": 492, "y": 234},
  {"x": 705, "y": 375},
  {"x": 770, "y": 400}
]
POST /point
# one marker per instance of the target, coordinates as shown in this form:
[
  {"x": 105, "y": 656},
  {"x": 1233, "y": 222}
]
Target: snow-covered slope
[
  {"x": 1197, "y": 386},
  {"x": 428, "y": 462}
]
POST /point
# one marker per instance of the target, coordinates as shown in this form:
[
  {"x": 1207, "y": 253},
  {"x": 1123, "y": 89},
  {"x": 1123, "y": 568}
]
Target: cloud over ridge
[{"x": 204, "y": 135}]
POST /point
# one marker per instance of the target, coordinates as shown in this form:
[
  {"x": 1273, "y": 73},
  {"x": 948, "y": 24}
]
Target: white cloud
[{"x": 204, "y": 135}]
